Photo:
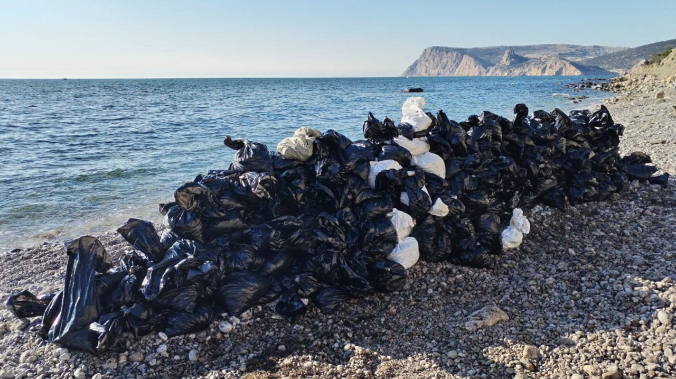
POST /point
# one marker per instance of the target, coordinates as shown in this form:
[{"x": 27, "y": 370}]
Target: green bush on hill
[{"x": 657, "y": 58}]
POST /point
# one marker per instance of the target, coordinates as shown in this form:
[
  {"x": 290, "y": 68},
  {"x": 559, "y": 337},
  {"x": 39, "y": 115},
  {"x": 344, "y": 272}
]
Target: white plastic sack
[
  {"x": 431, "y": 163},
  {"x": 519, "y": 225},
  {"x": 511, "y": 238},
  {"x": 439, "y": 208},
  {"x": 519, "y": 221},
  {"x": 404, "y": 196},
  {"x": 403, "y": 223},
  {"x": 299, "y": 146},
  {"x": 412, "y": 113},
  {"x": 406, "y": 253},
  {"x": 416, "y": 146},
  {"x": 377, "y": 167}
]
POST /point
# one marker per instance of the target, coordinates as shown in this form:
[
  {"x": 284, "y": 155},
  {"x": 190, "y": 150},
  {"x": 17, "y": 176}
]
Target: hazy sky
[{"x": 131, "y": 39}]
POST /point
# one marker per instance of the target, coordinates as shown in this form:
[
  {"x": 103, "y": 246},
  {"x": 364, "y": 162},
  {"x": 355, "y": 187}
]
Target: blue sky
[{"x": 131, "y": 39}]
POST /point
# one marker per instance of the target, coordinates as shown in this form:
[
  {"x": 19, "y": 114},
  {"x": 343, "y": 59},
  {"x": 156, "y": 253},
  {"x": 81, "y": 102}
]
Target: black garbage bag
[
  {"x": 142, "y": 236},
  {"x": 189, "y": 322},
  {"x": 185, "y": 224},
  {"x": 80, "y": 305},
  {"x": 155, "y": 280},
  {"x": 277, "y": 264},
  {"x": 139, "y": 319},
  {"x": 396, "y": 153},
  {"x": 329, "y": 299},
  {"x": 640, "y": 172},
  {"x": 378, "y": 238},
  {"x": 25, "y": 304},
  {"x": 305, "y": 284},
  {"x": 387, "y": 276},
  {"x": 636, "y": 157},
  {"x": 359, "y": 151},
  {"x": 250, "y": 156},
  {"x": 406, "y": 130},
  {"x": 178, "y": 298},
  {"x": 334, "y": 141},
  {"x": 290, "y": 306},
  {"x": 375, "y": 207},
  {"x": 167, "y": 239},
  {"x": 106, "y": 283},
  {"x": 126, "y": 293},
  {"x": 241, "y": 290},
  {"x": 342, "y": 276},
  {"x": 377, "y": 131},
  {"x": 50, "y": 314},
  {"x": 434, "y": 238},
  {"x": 661, "y": 180}
]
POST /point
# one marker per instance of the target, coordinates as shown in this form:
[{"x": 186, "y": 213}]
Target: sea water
[{"x": 81, "y": 156}]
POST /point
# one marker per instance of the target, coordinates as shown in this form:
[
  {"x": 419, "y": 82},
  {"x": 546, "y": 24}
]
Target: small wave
[
  {"x": 115, "y": 119},
  {"x": 560, "y": 94},
  {"x": 113, "y": 174}
]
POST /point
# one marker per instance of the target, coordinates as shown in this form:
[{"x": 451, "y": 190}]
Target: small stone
[
  {"x": 664, "y": 317},
  {"x": 591, "y": 370},
  {"x": 612, "y": 373},
  {"x": 98, "y": 375},
  {"x": 225, "y": 327},
  {"x": 162, "y": 349},
  {"x": 136, "y": 356},
  {"x": 452, "y": 354},
  {"x": 281, "y": 348},
  {"x": 64, "y": 357},
  {"x": 659, "y": 95},
  {"x": 510, "y": 371},
  {"x": 27, "y": 356},
  {"x": 485, "y": 317},
  {"x": 530, "y": 352},
  {"x": 79, "y": 373},
  {"x": 7, "y": 373},
  {"x": 192, "y": 355},
  {"x": 163, "y": 336},
  {"x": 527, "y": 364},
  {"x": 576, "y": 376}
]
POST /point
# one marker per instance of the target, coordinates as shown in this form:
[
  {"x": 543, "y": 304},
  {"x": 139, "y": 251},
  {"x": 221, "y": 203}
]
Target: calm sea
[{"x": 81, "y": 156}]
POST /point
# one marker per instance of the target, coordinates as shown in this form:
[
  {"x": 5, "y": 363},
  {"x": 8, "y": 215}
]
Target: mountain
[
  {"x": 508, "y": 60},
  {"x": 516, "y": 65},
  {"x": 444, "y": 62},
  {"x": 623, "y": 61}
]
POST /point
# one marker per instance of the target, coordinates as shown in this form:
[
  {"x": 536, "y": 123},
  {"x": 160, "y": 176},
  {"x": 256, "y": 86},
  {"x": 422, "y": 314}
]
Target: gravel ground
[{"x": 590, "y": 294}]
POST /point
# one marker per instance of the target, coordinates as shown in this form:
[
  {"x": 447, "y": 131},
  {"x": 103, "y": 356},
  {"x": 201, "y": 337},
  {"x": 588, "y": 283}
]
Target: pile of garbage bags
[{"x": 324, "y": 219}]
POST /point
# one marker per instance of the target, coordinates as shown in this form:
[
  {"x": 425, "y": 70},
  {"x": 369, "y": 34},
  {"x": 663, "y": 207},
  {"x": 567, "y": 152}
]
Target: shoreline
[{"x": 589, "y": 289}]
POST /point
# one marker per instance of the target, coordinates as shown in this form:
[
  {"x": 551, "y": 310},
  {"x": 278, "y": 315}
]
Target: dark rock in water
[{"x": 413, "y": 89}]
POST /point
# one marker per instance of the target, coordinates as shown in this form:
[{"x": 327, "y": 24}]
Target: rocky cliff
[
  {"x": 515, "y": 65},
  {"x": 440, "y": 61}
]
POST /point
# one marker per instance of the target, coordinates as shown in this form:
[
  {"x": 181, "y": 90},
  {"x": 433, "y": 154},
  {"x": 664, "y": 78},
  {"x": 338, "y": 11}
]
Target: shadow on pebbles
[{"x": 590, "y": 294}]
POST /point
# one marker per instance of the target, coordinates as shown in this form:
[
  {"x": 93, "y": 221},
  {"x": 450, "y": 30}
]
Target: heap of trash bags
[{"x": 325, "y": 219}]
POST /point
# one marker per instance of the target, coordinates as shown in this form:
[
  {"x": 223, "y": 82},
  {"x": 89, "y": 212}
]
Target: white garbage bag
[
  {"x": 416, "y": 146},
  {"x": 439, "y": 208},
  {"x": 402, "y": 221},
  {"x": 511, "y": 238},
  {"x": 519, "y": 225},
  {"x": 519, "y": 221},
  {"x": 377, "y": 167},
  {"x": 412, "y": 113},
  {"x": 406, "y": 253},
  {"x": 299, "y": 146},
  {"x": 404, "y": 196},
  {"x": 431, "y": 163}
]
